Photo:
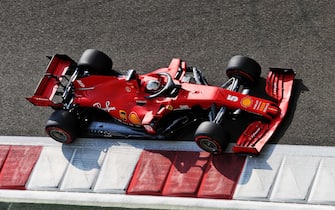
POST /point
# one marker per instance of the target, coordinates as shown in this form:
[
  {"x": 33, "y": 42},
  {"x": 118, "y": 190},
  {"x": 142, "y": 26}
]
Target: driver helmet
[{"x": 153, "y": 85}]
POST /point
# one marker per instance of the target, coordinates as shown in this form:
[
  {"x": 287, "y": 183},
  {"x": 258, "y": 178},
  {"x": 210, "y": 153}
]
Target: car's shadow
[{"x": 298, "y": 88}]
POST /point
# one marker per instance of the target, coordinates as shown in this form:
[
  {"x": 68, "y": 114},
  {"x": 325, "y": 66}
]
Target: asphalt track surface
[{"x": 145, "y": 35}]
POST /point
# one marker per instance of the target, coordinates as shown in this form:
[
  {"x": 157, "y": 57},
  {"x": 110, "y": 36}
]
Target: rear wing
[
  {"x": 58, "y": 67},
  {"x": 279, "y": 85}
]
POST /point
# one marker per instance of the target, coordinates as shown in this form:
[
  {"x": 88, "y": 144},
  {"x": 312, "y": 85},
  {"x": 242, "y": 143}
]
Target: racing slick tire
[
  {"x": 62, "y": 126},
  {"x": 245, "y": 68},
  {"x": 96, "y": 62},
  {"x": 211, "y": 137}
]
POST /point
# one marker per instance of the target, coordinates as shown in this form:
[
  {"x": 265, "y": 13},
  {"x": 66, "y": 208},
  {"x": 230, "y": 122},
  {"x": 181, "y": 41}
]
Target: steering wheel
[{"x": 169, "y": 86}]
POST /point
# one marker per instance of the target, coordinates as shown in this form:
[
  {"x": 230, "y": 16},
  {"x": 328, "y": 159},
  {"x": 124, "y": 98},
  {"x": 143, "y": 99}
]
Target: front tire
[
  {"x": 62, "y": 126},
  {"x": 244, "y": 68},
  {"x": 211, "y": 137}
]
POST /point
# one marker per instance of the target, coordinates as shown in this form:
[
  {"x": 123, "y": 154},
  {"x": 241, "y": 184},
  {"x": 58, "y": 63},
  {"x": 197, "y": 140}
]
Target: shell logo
[
  {"x": 133, "y": 118},
  {"x": 246, "y": 102}
]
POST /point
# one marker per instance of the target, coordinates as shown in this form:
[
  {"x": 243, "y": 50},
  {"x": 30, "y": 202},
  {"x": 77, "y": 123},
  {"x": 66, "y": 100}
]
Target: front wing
[{"x": 279, "y": 85}]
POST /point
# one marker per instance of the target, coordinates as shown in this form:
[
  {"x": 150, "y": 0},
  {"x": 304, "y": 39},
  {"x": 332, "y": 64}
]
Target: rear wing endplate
[{"x": 58, "y": 66}]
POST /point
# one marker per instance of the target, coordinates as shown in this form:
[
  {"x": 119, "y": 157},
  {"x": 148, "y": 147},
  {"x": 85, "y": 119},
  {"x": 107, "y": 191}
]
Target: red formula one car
[{"x": 92, "y": 99}]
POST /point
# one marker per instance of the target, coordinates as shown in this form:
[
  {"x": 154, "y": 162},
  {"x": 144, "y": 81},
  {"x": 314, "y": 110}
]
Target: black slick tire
[
  {"x": 244, "y": 68},
  {"x": 62, "y": 126},
  {"x": 211, "y": 137},
  {"x": 96, "y": 62}
]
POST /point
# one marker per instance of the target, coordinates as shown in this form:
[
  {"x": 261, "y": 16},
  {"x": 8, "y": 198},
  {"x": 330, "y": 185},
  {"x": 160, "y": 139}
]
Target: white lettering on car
[
  {"x": 107, "y": 107},
  {"x": 232, "y": 98}
]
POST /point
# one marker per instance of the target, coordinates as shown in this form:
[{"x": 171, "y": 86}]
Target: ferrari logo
[{"x": 123, "y": 115}]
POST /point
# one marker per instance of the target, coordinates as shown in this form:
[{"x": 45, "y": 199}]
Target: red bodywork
[{"x": 126, "y": 100}]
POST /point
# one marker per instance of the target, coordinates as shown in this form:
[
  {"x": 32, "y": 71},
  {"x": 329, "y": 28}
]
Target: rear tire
[
  {"x": 62, "y": 126},
  {"x": 211, "y": 137},
  {"x": 244, "y": 68},
  {"x": 96, "y": 62}
]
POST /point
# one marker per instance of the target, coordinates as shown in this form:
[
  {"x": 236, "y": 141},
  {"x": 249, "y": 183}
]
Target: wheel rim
[
  {"x": 58, "y": 135},
  {"x": 208, "y": 145}
]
